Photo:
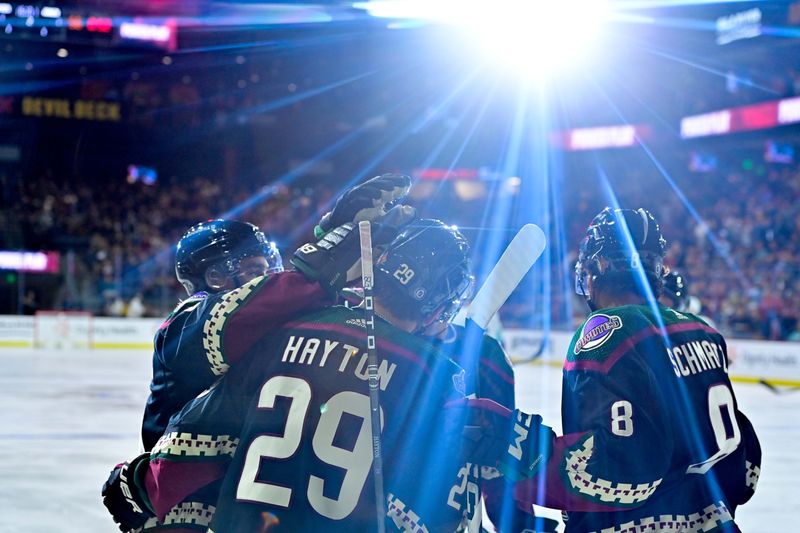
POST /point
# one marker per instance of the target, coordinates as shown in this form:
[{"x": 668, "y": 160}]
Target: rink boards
[{"x": 777, "y": 363}]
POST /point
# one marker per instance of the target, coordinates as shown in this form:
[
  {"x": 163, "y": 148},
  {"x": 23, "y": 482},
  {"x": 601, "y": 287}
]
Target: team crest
[{"x": 597, "y": 330}]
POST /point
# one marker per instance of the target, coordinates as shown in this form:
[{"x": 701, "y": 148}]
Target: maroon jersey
[
  {"x": 288, "y": 431},
  {"x": 206, "y": 333}
]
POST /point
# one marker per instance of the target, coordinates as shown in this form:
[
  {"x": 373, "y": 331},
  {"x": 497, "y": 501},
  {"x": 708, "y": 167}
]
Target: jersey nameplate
[{"x": 597, "y": 330}]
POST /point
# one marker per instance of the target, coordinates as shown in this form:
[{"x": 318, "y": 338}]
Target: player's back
[
  {"x": 305, "y": 450},
  {"x": 176, "y": 380},
  {"x": 678, "y": 455}
]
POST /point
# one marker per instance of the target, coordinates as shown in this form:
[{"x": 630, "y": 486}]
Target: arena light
[
  {"x": 159, "y": 33},
  {"x": 50, "y": 12},
  {"x": 533, "y": 38}
]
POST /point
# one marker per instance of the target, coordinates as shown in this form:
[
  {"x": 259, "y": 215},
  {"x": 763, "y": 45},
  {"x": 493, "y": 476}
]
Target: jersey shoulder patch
[
  {"x": 605, "y": 331},
  {"x": 184, "y": 306}
]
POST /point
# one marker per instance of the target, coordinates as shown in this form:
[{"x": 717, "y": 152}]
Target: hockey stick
[
  {"x": 365, "y": 234},
  {"x": 522, "y": 252},
  {"x": 775, "y": 389}
]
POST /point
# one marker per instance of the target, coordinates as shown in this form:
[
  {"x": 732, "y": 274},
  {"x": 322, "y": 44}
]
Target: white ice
[{"x": 69, "y": 416}]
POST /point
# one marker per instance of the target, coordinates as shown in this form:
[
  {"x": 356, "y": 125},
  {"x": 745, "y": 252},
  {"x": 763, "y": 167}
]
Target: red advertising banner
[
  {"x": 746, "y": 118},
  {"x": 617, "y": 136}
]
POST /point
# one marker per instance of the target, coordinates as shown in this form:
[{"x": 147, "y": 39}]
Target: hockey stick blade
[{"x": 524, "y": 250}]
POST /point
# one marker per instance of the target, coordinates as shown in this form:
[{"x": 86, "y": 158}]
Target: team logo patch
[{"x": 596, "y": 332}]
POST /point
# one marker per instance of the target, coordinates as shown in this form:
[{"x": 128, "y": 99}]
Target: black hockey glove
[
  {"x": 334, "y": 261},
  {"x": 124, "y": 494},
  {"x": 514, "y": 442},
  {"x": 367, "y": 201}
]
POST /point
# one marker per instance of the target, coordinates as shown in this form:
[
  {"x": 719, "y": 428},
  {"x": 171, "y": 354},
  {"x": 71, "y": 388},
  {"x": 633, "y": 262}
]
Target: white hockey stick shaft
[
  {"x": 367, "y": 277},
  {"x": 524, "y": 250}
]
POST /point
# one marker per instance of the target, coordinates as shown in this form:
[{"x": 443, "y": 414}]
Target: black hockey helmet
[
  {"x": 427, "y": 268},
  {"x": 618, "y": 244},
  {"x": 221, "y": 244},
  {"x": 676, "y": 289}
]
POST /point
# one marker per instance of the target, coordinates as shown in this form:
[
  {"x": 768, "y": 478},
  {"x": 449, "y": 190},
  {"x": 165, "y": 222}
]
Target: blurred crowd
[
  {"x": 117, "y": 243},
  {"x": 735, "y": 236}
]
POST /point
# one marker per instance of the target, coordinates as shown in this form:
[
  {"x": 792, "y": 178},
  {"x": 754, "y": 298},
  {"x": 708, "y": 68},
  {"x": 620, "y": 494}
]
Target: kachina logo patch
[{"x": 596, "y": 332}]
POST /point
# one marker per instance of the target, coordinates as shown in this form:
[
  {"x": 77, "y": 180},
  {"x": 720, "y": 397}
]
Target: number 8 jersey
[
  {"x": 653, "y": 439},
  {"x": 289, "y": 428}
]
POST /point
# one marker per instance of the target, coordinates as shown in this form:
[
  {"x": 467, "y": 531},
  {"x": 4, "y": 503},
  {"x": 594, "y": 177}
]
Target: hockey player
[
  {"x": 212, "y": 258},
  {"x": 653, "y": 439},
  {"x": 677, "y": 296},
  {"x": 288, "y": 432},
  {"x": 675, "y": 292},
  {"x": 212, "y": 328}
]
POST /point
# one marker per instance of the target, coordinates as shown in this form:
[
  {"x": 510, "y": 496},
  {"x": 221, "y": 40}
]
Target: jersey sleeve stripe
[
  {"x": 628, "y": 344},
  {"x": 214, "y": 326}
]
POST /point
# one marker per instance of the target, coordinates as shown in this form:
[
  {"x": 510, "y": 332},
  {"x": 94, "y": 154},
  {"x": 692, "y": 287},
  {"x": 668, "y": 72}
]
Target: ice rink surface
[{"x": 69, "y": 416}]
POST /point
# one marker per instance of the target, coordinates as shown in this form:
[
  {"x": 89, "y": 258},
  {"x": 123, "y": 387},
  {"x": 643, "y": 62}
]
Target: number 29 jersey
[{"x": 298, "y": 409}]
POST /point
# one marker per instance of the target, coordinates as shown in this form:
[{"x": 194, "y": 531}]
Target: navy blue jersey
[
  {"x": 489, "y": 373},
  {"x": 289, "y": 429},
  {"x": 207, "y": 332},
  {"x": 652, "y": 432}
]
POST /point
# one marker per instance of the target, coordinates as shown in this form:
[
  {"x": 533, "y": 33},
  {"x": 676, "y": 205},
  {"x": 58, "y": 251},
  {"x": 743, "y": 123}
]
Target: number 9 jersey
[
  {"x": 653, "y": 438},
  {"x": 289, "y": 429}
]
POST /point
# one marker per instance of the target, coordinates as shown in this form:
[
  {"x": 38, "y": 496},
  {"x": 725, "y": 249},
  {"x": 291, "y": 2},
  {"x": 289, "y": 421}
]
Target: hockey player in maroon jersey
[
  {"x": 236, "y": 283},
  {"x": 653, "y": 439},
  {"x": 287, "y": 430}
]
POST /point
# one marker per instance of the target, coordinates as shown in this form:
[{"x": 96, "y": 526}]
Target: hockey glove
[
  {"x": 124, "y": 494},
  {"x": 368, "y": 201},
  {"x": 514, "y": 442},
  {"x": 334, "y": 261}
]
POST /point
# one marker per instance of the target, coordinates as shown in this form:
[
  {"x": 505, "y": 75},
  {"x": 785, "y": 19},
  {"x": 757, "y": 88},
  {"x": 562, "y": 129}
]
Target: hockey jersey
[
  {"x": 288, "y": 432},
  {"x": 653, "y": 438},
  {"x": 489, "y": 374},
  {"x": 206, "y": 333},
  {"x": 488, "y": 370}
]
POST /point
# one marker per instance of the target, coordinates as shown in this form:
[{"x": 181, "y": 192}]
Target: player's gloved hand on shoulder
[
  {"x": 518, "y": 444},
  {"x": 334, "y": 260},
  {"x": 124, "y": 495},
  {"x": 368, "y": 201}
]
